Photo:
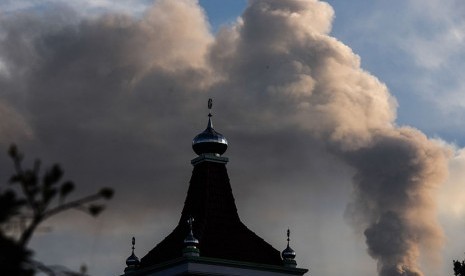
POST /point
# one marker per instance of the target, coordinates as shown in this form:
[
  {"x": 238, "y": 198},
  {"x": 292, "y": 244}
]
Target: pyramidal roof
[{"x": 217, "y": 225}]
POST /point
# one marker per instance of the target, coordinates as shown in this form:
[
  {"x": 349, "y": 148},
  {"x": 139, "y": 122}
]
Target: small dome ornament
[
  {"x": 288, "y": 254},
  {"x": 210, "y": 141},
  {"x": 132, "y": 261},
  {"x": 190, "y": 242}
]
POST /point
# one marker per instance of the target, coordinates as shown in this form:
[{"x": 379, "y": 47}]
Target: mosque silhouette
[{"x": 210, "y": 238}]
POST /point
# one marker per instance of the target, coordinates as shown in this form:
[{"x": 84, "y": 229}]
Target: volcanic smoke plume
[
  {"x": 319, "y": 80},
  {"x": 126, "y": 88},
  {"x": 396, "y": 176}
]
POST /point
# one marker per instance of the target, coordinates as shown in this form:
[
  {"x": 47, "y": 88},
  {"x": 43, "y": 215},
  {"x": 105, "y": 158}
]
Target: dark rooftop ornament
[
  {"x": 210, "y": 141},
  {"x": 288, "y": 254},
  {"x": 191, "y": 242},
  {"x": 132, "y": 261}
]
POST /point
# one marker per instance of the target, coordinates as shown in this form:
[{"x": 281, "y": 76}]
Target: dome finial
[
  {"x": 191, "y": 242},
  {"x": 288, "y": 235},
  {"x": 288, "y": 254},
  {"x": 210, "y": 104},
  {"x": 132, "y": 261}
]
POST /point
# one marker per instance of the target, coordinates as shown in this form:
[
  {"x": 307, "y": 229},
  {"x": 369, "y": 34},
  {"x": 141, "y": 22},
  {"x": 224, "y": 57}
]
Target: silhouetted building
[{"x": 210, "y": 238}]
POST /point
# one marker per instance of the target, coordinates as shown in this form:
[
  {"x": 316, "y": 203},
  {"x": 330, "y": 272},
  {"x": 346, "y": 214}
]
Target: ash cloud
[
  {"x": 314, "y": 82},
  {"x": 395, "y": 182},
  {"x": 113, "y": 98}
]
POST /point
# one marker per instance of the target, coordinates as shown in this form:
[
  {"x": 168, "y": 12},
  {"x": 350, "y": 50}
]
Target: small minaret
[
  {"x": 190, "y": 242},
  {"x": 132, "y": 261},
  {"x": 288, "y": 254}
]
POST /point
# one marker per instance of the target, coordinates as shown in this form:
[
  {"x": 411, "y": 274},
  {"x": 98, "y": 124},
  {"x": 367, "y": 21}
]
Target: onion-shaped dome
[
  {"x": 132, "y": 261},
  {"x": 288, "y": 254},
  {"x": 210, "y": 141}
]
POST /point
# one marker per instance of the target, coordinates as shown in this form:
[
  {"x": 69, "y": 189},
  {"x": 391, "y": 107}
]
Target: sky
[{"x": 344, "y": 120}]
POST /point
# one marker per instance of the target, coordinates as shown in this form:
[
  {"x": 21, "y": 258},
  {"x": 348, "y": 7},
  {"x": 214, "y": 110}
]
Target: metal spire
[
  {"x": 190, "y": 221},
  {"x": 133, "y": 244},
  {"x": 288, "y": 234},
  {"x": 210, "y": 104}
]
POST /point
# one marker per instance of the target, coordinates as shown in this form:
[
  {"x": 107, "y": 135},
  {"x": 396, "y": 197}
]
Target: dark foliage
[
  {"x": 459, "y": 268},
  {"x": 31, "y": 199}
]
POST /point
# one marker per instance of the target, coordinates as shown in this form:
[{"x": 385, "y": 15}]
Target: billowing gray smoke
[
  {"x": 292, "y": 62},
  {"x": 396, "y": 176},
  {"x": 125, "y": 88}
]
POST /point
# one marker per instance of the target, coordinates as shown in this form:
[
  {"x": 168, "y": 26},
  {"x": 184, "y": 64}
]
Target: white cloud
[
  {"x": 437, "y": 36},
  {"x": 452, "y": 195}
]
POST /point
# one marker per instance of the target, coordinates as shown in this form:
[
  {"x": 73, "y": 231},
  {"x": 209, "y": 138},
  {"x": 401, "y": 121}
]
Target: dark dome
[
  {"x": 288, "y": 253},
  {"x": 209, "y": 141},
  {"x": 132, "y": 260}
]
